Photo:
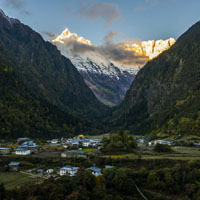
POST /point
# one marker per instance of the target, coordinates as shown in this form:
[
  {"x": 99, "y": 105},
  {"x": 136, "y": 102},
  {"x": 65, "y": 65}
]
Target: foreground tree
[
  {"x": 119, "y": 143},
  {"x": 2, "y": 192}
]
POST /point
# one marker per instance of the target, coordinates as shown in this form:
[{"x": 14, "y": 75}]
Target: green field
[
  {"x": 12, "y": 179},
  {"x": 189, "y": 138},
  {"x": 88, "y": 150},
  {"x": 48, "y": 154},
  {"x": 179, "y": 153},
  {"x": 99, "y": 136}
]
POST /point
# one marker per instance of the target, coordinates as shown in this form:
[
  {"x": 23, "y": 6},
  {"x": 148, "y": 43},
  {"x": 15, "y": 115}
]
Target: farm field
[
  {"x": 16, "y": 179},
  {"x": 179, "y": 153}
]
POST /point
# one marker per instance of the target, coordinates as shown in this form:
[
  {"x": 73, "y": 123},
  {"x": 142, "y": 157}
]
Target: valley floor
[
  {"x": 148, "y": 160},
  {"x": 179, "y": 153}
]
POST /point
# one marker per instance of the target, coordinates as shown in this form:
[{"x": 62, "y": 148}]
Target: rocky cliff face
[{"x": 109, "y": 80}]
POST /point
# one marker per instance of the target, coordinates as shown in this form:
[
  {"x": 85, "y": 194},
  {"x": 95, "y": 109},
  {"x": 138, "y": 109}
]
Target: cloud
[
  {"x": 111, "y": 51},
  {"x": 117, "y": 52},
  {"x": 17, "y": 4},
  {"x": 109, "y": 12},
  {"x": 78, "y": 47},
  {"x": 50, "y": 34},
  {"x": 110, "y": 36}
]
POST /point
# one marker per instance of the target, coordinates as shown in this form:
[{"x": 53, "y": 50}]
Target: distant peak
[
  {"x": 10, "y": 20},
  {"x": 151, "y": 48},
  {"x": 3, "y": 14},
  {"x": 68, "y": 35}
]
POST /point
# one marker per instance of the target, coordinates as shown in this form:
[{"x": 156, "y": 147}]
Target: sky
[{"x": 94, "y": 19}]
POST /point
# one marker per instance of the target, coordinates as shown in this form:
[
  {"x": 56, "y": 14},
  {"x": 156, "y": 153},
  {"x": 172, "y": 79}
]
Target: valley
[{"x": 117, "y": 119}]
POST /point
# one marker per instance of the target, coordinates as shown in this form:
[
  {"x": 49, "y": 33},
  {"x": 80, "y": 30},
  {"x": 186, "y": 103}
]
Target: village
[
  {"x": 25, "y": 161},
  {"x": 79, "y": 148},
  {"x": 71, "y": 148}
]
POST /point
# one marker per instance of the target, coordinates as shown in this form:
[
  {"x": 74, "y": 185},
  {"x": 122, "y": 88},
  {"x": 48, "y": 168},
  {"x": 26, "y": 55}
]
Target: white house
[
  {"x": 49, "y": 171},
  {"x": 54, "y": 141},
  {"x": 22, "y": 151},
  {"x": 73, "y": 153},
  {"x": 68, "y": 170},
  {"x": 75, "y": 143},
  {"x": 153, "y": 143},
  {"x": 95, "y": 142},
  {"x": 95, "y": 171},
  {"x": 14, "y": 166},
  {"x": 86, "y": 143},
  {"x": 4, "y": 150},
  {"x": 29, "y": 144}
]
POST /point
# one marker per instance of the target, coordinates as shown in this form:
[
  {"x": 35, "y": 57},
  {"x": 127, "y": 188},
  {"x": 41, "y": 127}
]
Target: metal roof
[
  {"x": 69, "y": 168},
  {"x": 14, "y": 164},
  {"x": 4, "y": 148},
  {"x": 95, "y": 169},
  {"x": 21, "y": 149}
]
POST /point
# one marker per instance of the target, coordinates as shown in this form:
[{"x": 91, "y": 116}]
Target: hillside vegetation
[
  {"x": 41, "y": 92},
  {"x": 164, "y": 97}
]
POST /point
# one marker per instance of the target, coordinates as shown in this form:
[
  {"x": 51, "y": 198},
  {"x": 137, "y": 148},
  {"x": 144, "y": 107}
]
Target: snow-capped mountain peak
[
  {"x": 66, "y": 35},
  {"x": 151, "y": 48}
]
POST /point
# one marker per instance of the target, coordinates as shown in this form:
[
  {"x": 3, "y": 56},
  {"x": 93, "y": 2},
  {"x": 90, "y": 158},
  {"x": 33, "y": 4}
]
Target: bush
[{"x": 162, "y": 148}]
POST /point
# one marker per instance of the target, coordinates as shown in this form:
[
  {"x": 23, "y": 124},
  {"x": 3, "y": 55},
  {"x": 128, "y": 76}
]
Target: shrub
[{"x": 162, "y": 148}]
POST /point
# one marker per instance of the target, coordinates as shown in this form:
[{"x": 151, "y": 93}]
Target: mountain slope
[
  {"x": 108, "y": 79},
  {"x": 45, "y": 70},
  {"x": 43, "y": 75},
  {"x": 24, "y": 114},
  {"x": 165, "y": 95}
]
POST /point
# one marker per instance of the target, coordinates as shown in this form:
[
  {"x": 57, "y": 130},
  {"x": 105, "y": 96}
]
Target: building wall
[
  {"x": 23, "y": 152},
  {"x": 4, "y": 151}
]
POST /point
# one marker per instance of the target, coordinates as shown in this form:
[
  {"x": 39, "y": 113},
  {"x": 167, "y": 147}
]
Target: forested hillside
[
  {"x": 164, "y": 97},
  {"x": 41, "y": 92}
]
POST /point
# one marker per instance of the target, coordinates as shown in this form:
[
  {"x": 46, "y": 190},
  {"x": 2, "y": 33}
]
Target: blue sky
[{"x": 93, "y": 19}]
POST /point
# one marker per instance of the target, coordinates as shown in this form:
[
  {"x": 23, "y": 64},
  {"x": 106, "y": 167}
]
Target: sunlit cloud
[{"x": 117, "y": 52}]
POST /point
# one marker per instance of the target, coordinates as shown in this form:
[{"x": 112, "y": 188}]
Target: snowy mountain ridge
[
  {"x": 108, "y": 79},
  {"x": 83, "y": 60}
]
